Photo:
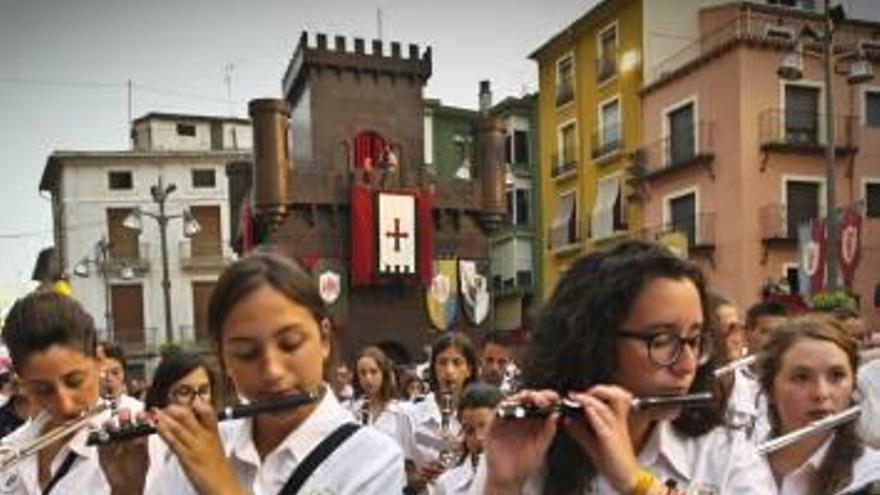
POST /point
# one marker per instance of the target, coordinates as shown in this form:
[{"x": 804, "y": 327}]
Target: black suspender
[
  {"x": 314, "y": 459},
  {"x": 62, "y": 470}
]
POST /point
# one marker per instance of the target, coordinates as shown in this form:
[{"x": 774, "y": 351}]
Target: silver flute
[{"x": 568, "y": 407}]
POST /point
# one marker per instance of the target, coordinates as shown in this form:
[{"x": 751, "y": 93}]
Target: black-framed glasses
[
  {"x": 187, "y": 395},
  {"x": 665, "y": 346}
]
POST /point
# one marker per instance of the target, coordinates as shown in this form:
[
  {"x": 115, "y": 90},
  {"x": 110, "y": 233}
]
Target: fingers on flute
[
  {"x": 178, "y": 427},
  {"x": 540, "y": 398}
]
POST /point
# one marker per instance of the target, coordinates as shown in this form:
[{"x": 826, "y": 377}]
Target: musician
[
  {"x": 495, "y": 356},
  {"x": 51, "y": 341},
  {"x": 476, "y": 410},
  {"x": 376, "y": 406},
  {"x": 453, "y": 365},
  {"x": 112, "y": 363},
  {"x": 808, "y": 368},
  {"x": 274, "y": 339},
  {"x": 629, "y": 322}
]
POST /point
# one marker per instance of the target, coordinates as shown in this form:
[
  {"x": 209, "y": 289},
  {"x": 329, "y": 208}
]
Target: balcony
[
  {"x": 606, "y": 143},
  {"x": 780, "y": 222},
  {"x": 202, "y": 254},
  {"x": 699, "y": 230},
  {"x": 674, "y": 153},
  {"x": 563, "y": 169},
  {"x": 133, "y": 256},
  {"x": 569, "y": 238},
  {"x": 564, "y": 93},
  {"x": 137, "y": 342},
  {"x": 790, "y": 131},
  {"x": 606, "y": 68}
]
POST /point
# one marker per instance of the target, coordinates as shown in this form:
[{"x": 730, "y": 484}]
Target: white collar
[
  {"x": 665, "y": 443},
  {"x": 328, "y": 416}
]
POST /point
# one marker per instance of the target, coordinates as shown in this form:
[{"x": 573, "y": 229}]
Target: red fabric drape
[
  {"x": 368, "y": 145},
  {"x": 362, "y": 236},
  {"x": 247, "y": 226},
  {"x": 425, "y": 225}
]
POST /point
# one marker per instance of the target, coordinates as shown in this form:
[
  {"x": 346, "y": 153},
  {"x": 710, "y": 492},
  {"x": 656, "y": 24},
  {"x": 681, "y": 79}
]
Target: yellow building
[{"x": 590, "y": 76}]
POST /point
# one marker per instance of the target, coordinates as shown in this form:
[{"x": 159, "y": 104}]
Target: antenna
[{"x": 227, "y": 79}]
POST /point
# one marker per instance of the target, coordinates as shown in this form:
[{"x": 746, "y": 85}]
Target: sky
[{"x": 64, "y": 67}]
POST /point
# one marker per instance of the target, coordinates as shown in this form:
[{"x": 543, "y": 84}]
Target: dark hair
[
  {"x": 246, "y": 275},
  {"x": 173, "y": 367},
  {"x": 480, "y": 394},
  {"x": 573, "y": 346},
  {"x": 844, "y": 313},
  {"x": 112, "y": 351},
  {"x": 836, "y": 470},
  {"x": 388, "y": 389},
  {"x": 497, "y": 337},
  {"x": 40, "y": 320},
  {"x": 460, "y": 342},
  {"x": 764, "y": 308}
]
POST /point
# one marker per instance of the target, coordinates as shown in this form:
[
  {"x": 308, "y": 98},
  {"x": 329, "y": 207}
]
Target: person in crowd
[
  {"x": 853, "y": 322},
  {"x": 728, "y": 329},
  {"x": 761, "y": 319},
  {"x": 412, "y": 389},
  {"x": 476, "y": 410},
  {"x": 495, "y": 356},
  {"x": 632, "y": 321},
  {"x": 273, "y": 335},
  {"x": 808, "y": 368},
  {"x": 453, "y": 366},
  {"x": 112, "y": 362},
  {"x": 51, "y": 341},
  {"x": 377, "y": 405},
  {"x": 342, "y": 384},
  {"x": 17, "y": 409}
]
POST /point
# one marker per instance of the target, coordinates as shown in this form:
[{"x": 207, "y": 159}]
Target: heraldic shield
[{"x": 442, "y": 295}]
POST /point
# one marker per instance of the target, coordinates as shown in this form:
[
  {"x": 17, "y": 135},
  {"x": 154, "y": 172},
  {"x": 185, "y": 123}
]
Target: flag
[
  {"x": 811, "y": 256},
  {"x": 442, "y": 294},
  {"x": 474, "y": 288},
  {"x": 397, "y": 233},
  {"x": 330, "y": 276},
  {"x": 850, "y": 244},
  {"x": 362, "y": 235}
]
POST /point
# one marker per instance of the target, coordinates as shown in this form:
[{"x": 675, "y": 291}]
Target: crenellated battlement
[{"x": 316, "y": 52}]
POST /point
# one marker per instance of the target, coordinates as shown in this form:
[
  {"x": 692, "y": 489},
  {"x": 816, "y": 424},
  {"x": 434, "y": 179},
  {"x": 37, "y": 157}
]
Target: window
[
  {"x": 123, "y": 241},
  {"x": 186, "y": 130},
  {"x": 798, "y": 4},
  {"x": 564, "y": 80},
  {"x": 609, "y": 130},
  {"x": 608, "y": 211},
  {"x": 508, "y": 150},
  {"x": 872, "y": 108},
  {"x": 683, "y": 216},
  {"x": 682, "y": 142},
  {"x": 203, "y": 178},
  {"x": 564, "y": 230},
  {"x": 607, "y": 60},
  {"x": 802, "y": 204},
  {"x": 801, "y": 114},
  {"x": 120, "y": 181},
  {"x": 567, "y": 145},
  {"x": 872, "y": 199},
  {"x": 520, "y": 147},
  {"x": 781, "y": 33},
  {"x": 792, "y": 276},
  {"x": 518, "y": 206}
]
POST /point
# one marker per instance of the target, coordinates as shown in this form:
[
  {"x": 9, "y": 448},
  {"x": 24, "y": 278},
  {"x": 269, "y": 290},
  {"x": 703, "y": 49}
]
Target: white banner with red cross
[{"x": 396, "y": 233}]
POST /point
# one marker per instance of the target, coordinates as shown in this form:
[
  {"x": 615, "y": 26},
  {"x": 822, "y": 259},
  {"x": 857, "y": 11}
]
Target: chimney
[
  {"x": 485, "y": 96},
  {"x": 272, "y": 160}
]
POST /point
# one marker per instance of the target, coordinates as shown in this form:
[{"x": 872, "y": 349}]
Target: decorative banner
[
  {"x": 850, "y": 244},
  {"x": 362, "y": 235},
  {"x": 473, "y": 277},
  {"x": 396, "y": 233},
  {"x": 811, "y": 257},
  {"x": 442, "y": 294},
  {"x": 330, "y": 276}
]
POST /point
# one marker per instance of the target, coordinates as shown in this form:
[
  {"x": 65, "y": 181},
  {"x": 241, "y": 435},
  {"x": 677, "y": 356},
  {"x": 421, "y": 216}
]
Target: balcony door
[
  {"x": 207, "y": 241},
  {"x": 127, "y": 302},
  {"x": 801, "y": 114},
  {"x": 683, "y": 216},
  {"x": 682, "y": 142},
  {"x": 802, "y": 204}
]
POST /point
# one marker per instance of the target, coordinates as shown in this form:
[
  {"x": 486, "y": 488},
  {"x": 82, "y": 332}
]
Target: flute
[
  {"x": 818, "y": 426},
  {"x": 124, "y": 433},
  {"x": 568, "y": 407}
]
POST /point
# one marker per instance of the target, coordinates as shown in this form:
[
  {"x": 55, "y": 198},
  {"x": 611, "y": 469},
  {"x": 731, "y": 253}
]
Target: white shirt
[
  {"x": 426, "y": 420},
  {"x": 367, "y": 463},
  {"x": 866, "y": 470},
  {"x": 128, "y": 402},
  {"x": 393, "y": 421},
  {"x": 456, "y": 481},
  {"x": 747, "y": 406},
  {"x": 722, "y": 461},
  {"x": 84, "y": 477}
]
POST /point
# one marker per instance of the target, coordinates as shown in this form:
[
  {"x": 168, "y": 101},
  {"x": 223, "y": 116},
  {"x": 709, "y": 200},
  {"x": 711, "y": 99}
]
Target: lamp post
[
  {"x": 860, "y": 71},
  {"x": 160, "y": 192},
  {"x": 100, "y": 260}
]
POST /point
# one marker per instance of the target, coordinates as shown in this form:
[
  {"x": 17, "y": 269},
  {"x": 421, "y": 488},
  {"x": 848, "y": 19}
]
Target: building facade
[
  {"x": 115, "y": 271},
  {"x": 732, "y": 156}
]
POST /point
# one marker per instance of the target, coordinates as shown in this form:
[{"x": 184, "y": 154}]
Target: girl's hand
[
  {"x": 515, "y": 449},
  {"x": 125, "y": 465},
  {"x": 604, "y": 433},
  {"x": 191, "y": 433}
]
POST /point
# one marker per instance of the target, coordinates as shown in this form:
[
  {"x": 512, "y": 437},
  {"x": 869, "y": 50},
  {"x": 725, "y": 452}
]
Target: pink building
[{"x": 733, "y": 156}]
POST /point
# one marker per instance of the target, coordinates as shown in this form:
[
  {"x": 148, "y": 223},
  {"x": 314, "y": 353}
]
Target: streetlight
[
  {"x": 860, "y": 71},
  {"x": 101, "y": 263},
  {"x": 191, "y": 227}
]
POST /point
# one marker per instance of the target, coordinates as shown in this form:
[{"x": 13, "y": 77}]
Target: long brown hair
[
  {"x": 836, "y": 470},
  {"x": 388, "y": 389}
]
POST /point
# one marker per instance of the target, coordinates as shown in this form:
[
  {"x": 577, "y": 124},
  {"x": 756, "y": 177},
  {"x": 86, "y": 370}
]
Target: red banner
[
  {"x": 362, "y": 235},
  {"x": 246, "y": 228},
  {"x": 850, "y": 251},
  {"x": 425, "y": 228}
]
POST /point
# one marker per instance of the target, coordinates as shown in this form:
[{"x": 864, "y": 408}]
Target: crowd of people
[{"x": 622, "y": 326}]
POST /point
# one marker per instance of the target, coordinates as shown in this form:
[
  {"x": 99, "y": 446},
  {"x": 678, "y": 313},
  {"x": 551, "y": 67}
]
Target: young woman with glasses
[{"x": 629, "y": 322}]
